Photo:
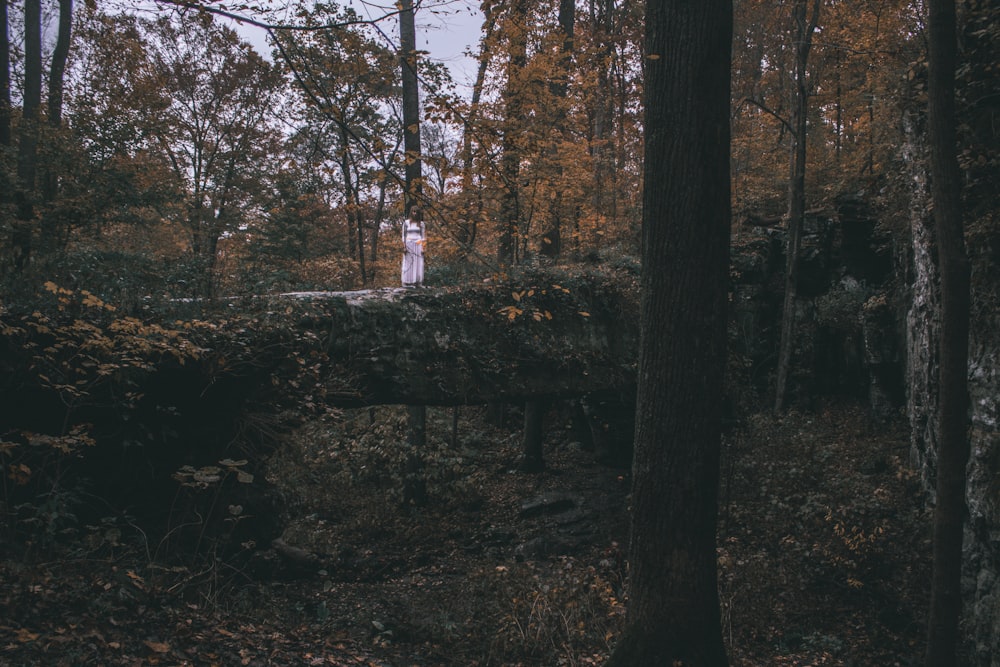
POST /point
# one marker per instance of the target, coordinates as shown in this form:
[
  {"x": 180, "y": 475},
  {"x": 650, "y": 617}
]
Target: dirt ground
[{"x": 823, "y": 556}]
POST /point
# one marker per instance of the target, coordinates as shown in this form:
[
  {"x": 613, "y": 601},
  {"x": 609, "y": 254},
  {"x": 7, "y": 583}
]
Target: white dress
[{"x": 413, "y": 253}]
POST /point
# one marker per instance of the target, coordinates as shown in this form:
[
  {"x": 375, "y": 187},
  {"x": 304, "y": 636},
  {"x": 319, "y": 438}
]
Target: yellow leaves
[
  {"x": 19, "y": 473},
  {"x": 157, "y": 647},
  {"x": 25, "y": 635},
  {"x": 55, "y": 289},
  {"x": 92, "y": 301},
  {"x": 512, "y": 312}
]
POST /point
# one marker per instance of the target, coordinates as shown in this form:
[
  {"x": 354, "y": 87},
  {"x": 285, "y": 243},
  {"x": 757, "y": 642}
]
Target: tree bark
[
  {"x": 673, "y": 608},
  {"x": 5, "y": 135},
  {"x": 471, "y": 197},
  {"x": 534, "y": 435},
  {"x": 953, "y": 396},
  {"x": 510, "y": 162},
  {"x": 414, "y": 484},
  {"x": 411, "y": 106},
  {"x": 601, "y": 149},
  {"x": 27, "y": 154},
  {"x": 57, "y": 69},
  {"x": 416, "y": 414},
  {"x": 796, "y": 194},
  {"x": 552, "y": 239},
  {"x": 6, "y": 186}
]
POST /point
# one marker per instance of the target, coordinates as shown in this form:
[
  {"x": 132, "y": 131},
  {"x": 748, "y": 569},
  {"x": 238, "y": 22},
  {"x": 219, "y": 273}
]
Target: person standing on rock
[{"x": 414, "y": 237}]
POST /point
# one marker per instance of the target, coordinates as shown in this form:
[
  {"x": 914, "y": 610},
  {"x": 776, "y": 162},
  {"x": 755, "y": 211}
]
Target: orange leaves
[
  {"x": 157, "y": 647},
  {"x": 24, "y": 635},
  {"x": 536, "y": 311}
]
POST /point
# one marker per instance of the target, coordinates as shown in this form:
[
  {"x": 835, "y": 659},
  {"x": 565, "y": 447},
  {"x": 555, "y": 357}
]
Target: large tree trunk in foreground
[
  {"x": 673, "y": 608},
  {"x": 953, "y": 401}
]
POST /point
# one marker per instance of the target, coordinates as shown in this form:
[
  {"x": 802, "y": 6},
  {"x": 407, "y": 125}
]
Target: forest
[{"x": 702, "y": 368}]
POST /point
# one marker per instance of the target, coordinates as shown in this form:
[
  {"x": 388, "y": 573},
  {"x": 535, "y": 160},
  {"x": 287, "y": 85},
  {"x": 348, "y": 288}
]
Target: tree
[
  {"x": 953, "y": 398},
  {"x": 50, "y": 228},
  {"x": 516, "y": 30},
  {"x": 416, "y": 436},
  {"x": 673, "y": 608},
  {"x": 4, "y": 78},
  {"x": 350, "y": 88},
  {"x": 27, "y": 149},
  {"x": 804, "y": 29},
  {"x": 214, "y": 131}
]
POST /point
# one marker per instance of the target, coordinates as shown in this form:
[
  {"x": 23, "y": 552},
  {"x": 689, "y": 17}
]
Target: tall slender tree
[
  {"x": 805, "y": 26},
  {"x": 673, "y": 608},
  {"x": 27, "y": 149},
  {"x": 5, "y": 135},
  {"x": 953, "y": 397},
  {"x": 57, "y": 71},
  {"x": 516, "y": 29},
  {"x": 415, "y": 490}
]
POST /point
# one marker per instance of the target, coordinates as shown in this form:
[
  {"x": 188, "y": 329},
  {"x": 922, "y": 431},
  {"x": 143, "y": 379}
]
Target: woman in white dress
[{"x": 413, "y": 249}]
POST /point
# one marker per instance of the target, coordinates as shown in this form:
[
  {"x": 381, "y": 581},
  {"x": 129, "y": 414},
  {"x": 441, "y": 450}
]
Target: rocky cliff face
[
  {"x": 979, "y": 156},
  {"x": 869, "y": 324},
  {"x": 983, "y": 490}
]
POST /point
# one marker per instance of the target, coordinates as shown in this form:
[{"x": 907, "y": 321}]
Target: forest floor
[{"x": 823, "y": 557}]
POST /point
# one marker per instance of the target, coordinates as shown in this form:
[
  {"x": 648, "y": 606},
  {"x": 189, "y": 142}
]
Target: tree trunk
[
  {"x": 953, "y": 397},
  {"x": 5, "y": 135},
  {"x": 796, "y": 194},
  {"x": 510, "y": 163},
  {"x": 27, "y": 154},
  {"x": 471, "y": 198},
  {"x": 673, "y": 610},
  {"x": 604, "y": 194},
  {"x": 6, "y": 186},
  {"x": 52, "y": 236},
  {"x": 414, "y": 485},
  {"x": 552, "y": 239},
  {"x": 417, "y": 414},
  {"x": 534, "y": 435},
  {"x": 411, "y": 106},
  {"x": 355, "y": 234}
]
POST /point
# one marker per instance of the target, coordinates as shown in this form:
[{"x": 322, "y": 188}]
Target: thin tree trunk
[
  {"x": 411, "y": 106},
  {"x": 5, "y": 134},
  {"x": 510, "y": 163},
  {"x": 534, "y": 435},
  {"x": 416, "y": 414},
  {"x": 49, "y": 180},
  {"x": 355, "y": 235},
  {"x": 6, "y": 186},
  {"x": 466, "y": 233},
  {"x": 953, "y": 396},
  {"x": 27, "y": 154},
  {"x": 552, "y": 239},
  {"x": 796, "y": 194},
  {"x": 602, "y": 151},
  {"x": 414, "y": 485}
]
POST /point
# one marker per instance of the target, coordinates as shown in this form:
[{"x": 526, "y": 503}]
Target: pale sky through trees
[{"x": 447, "y": 29}]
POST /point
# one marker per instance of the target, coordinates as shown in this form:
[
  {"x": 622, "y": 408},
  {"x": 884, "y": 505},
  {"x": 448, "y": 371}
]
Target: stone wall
[{"x": 981, "y": 574}]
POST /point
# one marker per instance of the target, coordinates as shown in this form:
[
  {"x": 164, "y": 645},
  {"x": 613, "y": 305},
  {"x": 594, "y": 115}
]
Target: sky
[{"x": 446, "y": 29}]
